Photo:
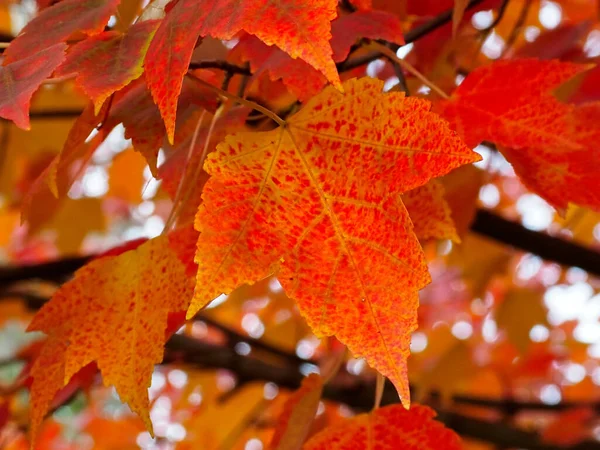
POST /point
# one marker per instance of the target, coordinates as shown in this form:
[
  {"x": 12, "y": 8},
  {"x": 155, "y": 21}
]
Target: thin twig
[
  {"x": 498, "y": 18},
  {"x": 517, "y": 28},
  {"x": 413, "y": 35},
  {"x": 242, "y": 101},
  {"x": 409, "y": 68},
  {"x": 177, "y": 201},
  {"x": 221, "y": 65}
]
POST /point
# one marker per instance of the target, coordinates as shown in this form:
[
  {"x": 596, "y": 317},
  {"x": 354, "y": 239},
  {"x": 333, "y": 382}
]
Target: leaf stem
[
  {"x": 409, "y": 68},
  {"x": 179, "y": 194},
  {"x": 379, "y": 385},
  {"x": 242, "y": 101}
]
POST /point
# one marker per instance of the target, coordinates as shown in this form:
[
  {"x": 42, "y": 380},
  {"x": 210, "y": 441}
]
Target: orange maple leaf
[
  {"x": 550, "y": 144},
  {"x": 318, "y": 200},
  {"x": 114, "y": 312},
  {"x": 301, "y": 28},
  {"x": 388, "y": 428}
]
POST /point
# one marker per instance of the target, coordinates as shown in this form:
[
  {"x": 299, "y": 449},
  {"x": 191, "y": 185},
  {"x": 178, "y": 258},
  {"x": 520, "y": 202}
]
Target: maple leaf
[
  {"x": 298, "y": 414},
  {"x": 520, "y": 310},
  {"x": 126, "y": 177},
  {"x": 43, "y": 198},
  {"x": 550, "y": 144},
  {"x": 22, "y": 78},
  {"x": 108, "y": 61},
  {"x": 348, "y": 29},
  {"x": 142, "y": 120},
  {"x": 319, "y": 200},
  {"x": 388, "y": 428},
  {"x": 299, "y": 77},
  {"x": 114, "y": 312},
  {"x": 302, "y": 28},
  {"x": 429, "y": 212},
  {"x": 58, "y": 23}
]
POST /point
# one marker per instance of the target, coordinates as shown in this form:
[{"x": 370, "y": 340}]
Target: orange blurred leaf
[
  {"x": 126, "y": 177},
  {"x": 298, "y": 414}
]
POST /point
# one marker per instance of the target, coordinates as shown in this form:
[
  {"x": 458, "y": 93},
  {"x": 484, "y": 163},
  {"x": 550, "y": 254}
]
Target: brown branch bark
[
  {"x": 360, "y": 393},
  {"x": 486, "y": 223},
  {"x": 193, "y": 352},
  {"x": 550, "y": 248},
  {"x": 186, "y": 350}
]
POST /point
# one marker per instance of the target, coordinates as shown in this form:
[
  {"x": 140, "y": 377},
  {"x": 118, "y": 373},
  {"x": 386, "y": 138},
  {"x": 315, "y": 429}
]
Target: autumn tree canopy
[{"x": 299, "y": 224}]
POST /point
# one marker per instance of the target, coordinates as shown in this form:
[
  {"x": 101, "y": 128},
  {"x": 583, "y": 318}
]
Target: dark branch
[
  {"x": 440, "y": 20},
  {"x": 193, "y": 352},
  {"x": 50, "y": 271},
  {"x": 221, "y": 65},
  {"x": 52, "y": 114},
  {"x": 180, "y": 348},
  {"x": 547, "y": 247},
  {"x": 485, "y": 224},
  {"x": 413, "y": 35}
]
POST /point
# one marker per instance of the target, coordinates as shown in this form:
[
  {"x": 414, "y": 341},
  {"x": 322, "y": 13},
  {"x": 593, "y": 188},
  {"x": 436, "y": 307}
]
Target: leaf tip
[{"x": 191, "y": 312}]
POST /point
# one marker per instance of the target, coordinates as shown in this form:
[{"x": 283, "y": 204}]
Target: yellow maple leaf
[{"x": 114, "y": 312}]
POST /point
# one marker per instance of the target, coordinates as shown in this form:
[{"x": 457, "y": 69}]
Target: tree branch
[
  {"x": 486, "y": 223},
  {"x": 548, "y": 247},
  {"x": 184, "y": 349},
  {"x": 50, "y": 270},
  {"x": 191, "y": 351},
  {"x": 413, "y": 35},
  {"x": 361, "y": 393},
  {"x": 221, "y": 65}
]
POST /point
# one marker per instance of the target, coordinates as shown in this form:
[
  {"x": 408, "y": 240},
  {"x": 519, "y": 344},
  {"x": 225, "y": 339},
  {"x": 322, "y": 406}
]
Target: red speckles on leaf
[
  {"x": 388, "y": 428},
  {"x": 551, "y": 145},
  {"x": 57, "y": 23},
  {"x": 301, "y": 28},
  {"x": 22, "y": 78},
  {"x": 322, "y": 207},
  {"x": 108, "y": 61},
  {"x": 114, "y": 312}
]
